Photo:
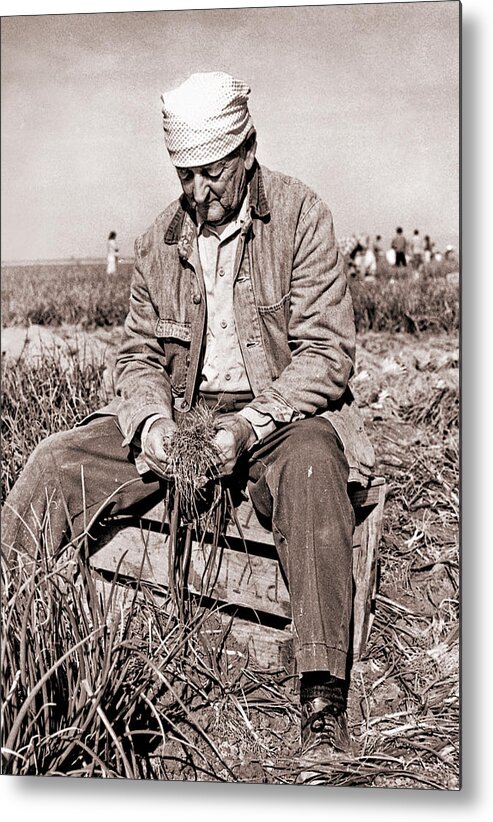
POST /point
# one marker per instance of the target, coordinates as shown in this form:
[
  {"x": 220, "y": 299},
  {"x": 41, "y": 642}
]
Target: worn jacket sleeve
[
  {"x": 321, "y": 326},
  {"x": 142, "y": 383}
]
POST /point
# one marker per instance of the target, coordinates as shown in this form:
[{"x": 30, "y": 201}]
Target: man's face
[{"x": 216, "y": 190}]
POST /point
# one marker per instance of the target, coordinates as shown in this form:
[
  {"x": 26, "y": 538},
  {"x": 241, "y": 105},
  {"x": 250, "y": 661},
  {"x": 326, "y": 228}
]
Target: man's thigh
[
  {"x": 306, "y": 449},
  {"x": 92, "y": 463}
]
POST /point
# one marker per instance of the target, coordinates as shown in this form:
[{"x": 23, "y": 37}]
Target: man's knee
[
  {"x": 50, "y": 452},
  {"x": 315, "y": 440}
]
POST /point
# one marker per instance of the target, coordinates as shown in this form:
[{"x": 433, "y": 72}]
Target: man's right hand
[{"x": 155, "y": 449}]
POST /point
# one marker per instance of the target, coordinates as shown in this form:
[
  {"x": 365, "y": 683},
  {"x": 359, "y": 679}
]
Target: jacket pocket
[
  {"x": 175, "y": 339},
  {"x": 274, "y": 324},
  {"x": 271, "y": 309}
]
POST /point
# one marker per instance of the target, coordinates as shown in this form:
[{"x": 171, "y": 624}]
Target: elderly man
[{"x": 238, "y": 297}]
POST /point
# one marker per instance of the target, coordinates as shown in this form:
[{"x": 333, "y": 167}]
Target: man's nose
[{"x": 200, "y": 189}]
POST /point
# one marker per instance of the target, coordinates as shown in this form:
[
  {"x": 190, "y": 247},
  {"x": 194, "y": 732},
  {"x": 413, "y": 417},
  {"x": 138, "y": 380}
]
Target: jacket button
[
  {"x": 224, "y": 324},
  {"x": 196, "y": 298},
  {"x": 182, "y": 405}
]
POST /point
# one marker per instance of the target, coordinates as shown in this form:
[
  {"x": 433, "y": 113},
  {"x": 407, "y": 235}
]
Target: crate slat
[
  {"x": 242, "y": 579},
  {"x": 265, "y": 647}
]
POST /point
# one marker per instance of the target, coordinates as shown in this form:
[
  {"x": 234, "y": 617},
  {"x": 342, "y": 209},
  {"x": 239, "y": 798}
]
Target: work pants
[{"x": 297, "y": 479}]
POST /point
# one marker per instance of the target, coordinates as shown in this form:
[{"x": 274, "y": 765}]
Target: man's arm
[
  {"x": 141, "y": 379},
  {"x": 321, "y": 331}
]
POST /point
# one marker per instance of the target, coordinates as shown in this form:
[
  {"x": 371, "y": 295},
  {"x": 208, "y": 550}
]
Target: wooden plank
[
  {"x": 365, "y": 565},
  {"x": 364, "y": 497},
  {"x": 242, "y": 579},
  {"x": 268, "y": 648},
  {"x": 262, "y": 647}
]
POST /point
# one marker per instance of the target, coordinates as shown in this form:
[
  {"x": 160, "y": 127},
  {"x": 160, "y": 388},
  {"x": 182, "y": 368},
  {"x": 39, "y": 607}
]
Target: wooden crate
[{"x": 247, "y": 579}]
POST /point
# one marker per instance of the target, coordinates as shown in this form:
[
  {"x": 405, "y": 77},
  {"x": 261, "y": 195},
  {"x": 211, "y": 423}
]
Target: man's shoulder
[
  {"x": 278, "y": 181},
  {"x": 288, "y": 195}
]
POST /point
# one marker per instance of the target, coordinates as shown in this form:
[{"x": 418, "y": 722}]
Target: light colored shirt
[{"x": 223, "y": 368}]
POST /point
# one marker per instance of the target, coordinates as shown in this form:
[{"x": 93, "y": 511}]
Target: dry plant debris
[{"x": 119, "y": 689}]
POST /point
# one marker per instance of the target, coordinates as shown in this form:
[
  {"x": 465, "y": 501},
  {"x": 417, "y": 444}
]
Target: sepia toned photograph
[{"x": 231, "y": 260}]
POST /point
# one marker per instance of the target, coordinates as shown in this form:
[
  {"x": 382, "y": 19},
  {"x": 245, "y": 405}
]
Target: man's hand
[
  {"x": 234, "y": 436},
  {"x": 155, "y": 449}
]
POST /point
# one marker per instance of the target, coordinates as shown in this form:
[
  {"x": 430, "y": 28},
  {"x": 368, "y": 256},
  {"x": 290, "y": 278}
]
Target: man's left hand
[{"x": 234, "y": 436}]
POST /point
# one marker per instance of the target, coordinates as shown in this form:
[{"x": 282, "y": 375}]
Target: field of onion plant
[{"x": 100, "y": 683}]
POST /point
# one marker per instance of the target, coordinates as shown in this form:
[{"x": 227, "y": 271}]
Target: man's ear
[{"x": 250, "y": 144}]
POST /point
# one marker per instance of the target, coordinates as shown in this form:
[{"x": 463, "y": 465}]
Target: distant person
[
  {"x": 378, "y": 248},
  {"x": 112, "y": 254},
  {"x": 368, "y": 263},
  {"x": 450, "y": 255},
  {"x": 379, "y": 252},
  {"x": 348, "y": 247},
  {"x": 417, "y": 250},
  {"x": 399, "y": 244},
  {"x": 359, "y": 256},
  {"x": 428, "y": 249}
]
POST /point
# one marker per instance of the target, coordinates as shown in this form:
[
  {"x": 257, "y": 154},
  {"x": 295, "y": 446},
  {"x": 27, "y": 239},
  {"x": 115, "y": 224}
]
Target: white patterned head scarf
[{"x": 205, "y": 118}]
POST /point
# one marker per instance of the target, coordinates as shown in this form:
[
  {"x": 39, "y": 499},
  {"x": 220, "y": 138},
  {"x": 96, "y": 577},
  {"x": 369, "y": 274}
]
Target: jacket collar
[
  {"x": 258, "y": 201},
  {"x": 182, "y": 227}
]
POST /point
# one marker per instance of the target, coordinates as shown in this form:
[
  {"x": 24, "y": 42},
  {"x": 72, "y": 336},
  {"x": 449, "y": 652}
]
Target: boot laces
[{"x": 325, "y": 723}]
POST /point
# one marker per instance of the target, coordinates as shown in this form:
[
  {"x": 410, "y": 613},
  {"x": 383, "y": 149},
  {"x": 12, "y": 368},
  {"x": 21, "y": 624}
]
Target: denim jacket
[{"x": 292, "y": 309}]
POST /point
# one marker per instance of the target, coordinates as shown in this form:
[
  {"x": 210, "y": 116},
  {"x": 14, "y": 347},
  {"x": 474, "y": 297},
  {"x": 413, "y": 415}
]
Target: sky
[{"x": 361, "y": 102}]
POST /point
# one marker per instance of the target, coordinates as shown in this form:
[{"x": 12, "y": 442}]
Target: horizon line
[{"x": 63, "y": 260}]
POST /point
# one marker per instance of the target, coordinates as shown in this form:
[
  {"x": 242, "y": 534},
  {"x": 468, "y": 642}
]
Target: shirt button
[
  {"x": 196, "y": 298},
  {"x": 227, "y": 376},
  {"x": 224, "y": 324},
  {"x": 221, "y": 272}
]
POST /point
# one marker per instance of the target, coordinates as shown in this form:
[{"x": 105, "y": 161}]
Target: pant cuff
[{"x": 316, "y": 656}]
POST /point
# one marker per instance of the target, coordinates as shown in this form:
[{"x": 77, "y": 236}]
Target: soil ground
[{"x": 404, "y": 702}]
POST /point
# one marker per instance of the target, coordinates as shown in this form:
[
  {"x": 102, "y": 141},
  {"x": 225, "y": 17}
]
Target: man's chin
[{"x": 213, "y": 216}]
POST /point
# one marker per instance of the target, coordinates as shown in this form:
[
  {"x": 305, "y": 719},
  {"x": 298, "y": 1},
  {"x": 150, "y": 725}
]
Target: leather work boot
[{"x": 324, "y": 740}]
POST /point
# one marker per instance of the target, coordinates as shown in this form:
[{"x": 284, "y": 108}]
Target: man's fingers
[
  {"x": 158, "y": 443},
  {"x": 158, "y": 458},
  {"x": 225, "y": 468},
  {"x": 162, "y": 470},
  {"x": 225, "y": 442},
  {"x": 160, "y": 453}
]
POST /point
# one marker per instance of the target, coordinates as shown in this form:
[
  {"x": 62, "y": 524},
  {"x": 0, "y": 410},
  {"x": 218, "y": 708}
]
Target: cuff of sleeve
[
  {"x": 262, "y": 424},
  {"x": 141, "y": 465},
  {"x": 130, "y": 427},
  {"x": 145, "y": 428}
]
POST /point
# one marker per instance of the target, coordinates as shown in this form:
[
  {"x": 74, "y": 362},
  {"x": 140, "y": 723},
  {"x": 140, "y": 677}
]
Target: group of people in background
[
  {"x": 419, "y": 250},
  {"x": 366, "y": 258}
]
